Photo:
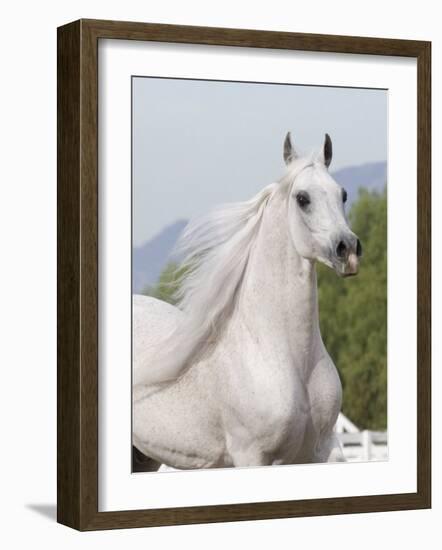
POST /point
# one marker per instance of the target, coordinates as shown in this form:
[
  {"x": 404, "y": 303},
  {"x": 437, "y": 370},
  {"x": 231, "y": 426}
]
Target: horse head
[{"x": 317, "y": 220}]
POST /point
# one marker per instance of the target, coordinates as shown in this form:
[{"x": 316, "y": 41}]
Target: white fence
[
  {"x": 361, "y": 446},
  {"x": 364, "y": 446}
]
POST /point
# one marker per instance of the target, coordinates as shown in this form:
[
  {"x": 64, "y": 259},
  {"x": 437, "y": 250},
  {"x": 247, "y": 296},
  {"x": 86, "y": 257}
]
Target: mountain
[
  {"x": 372, "y": 176},
  {"x": 149, "y": 260}
]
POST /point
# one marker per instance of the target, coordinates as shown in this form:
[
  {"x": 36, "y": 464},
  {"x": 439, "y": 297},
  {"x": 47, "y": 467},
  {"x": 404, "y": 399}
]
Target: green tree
[
  {"x": 353, "y": 317},
  {"x": 167, "y": 284}
]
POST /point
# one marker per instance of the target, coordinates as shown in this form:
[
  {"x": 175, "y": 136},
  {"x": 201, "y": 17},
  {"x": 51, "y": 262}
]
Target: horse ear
[
  {"x": 328, "y": 150},
  {"x": 289, "y": 151}
]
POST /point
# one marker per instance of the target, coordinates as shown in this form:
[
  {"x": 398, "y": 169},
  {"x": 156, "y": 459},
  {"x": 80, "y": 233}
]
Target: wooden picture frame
[{"x": 77, "y": 224}]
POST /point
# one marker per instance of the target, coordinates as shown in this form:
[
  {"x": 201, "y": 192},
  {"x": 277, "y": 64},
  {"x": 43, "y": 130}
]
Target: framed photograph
[{"x": 244, "y": 285}]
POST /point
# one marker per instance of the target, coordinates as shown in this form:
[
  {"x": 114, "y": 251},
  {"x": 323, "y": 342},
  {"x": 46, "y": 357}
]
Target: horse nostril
[
  {"x": 358, "y": 248},
  {"x": 341, "y": 249}
]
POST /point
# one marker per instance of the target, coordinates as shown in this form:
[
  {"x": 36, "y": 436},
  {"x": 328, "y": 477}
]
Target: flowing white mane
[{"x": 216, "y": 249}]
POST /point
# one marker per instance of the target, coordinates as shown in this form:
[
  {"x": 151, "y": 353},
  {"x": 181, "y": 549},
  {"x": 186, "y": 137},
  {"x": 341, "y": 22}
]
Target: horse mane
[{"x": 216, "y": 250}]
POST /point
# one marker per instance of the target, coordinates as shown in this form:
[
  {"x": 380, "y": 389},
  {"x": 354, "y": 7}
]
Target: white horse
[{"x": 237, "y": 374}]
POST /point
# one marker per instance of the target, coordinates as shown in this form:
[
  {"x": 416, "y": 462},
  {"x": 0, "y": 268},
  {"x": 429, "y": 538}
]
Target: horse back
[{"x": 152, "y": 320}]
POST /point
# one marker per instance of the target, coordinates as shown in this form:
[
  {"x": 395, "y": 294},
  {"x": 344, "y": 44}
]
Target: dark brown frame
[{"x": 77, "y": 224}]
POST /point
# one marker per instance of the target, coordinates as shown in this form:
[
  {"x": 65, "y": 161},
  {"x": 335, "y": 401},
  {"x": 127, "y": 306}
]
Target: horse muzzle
[{"x": 347, "y": 254}]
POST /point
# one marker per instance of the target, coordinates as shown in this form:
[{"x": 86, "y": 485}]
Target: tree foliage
[
  {"x": 353, "y": 317},
  {"x": 353, "y": 314},
  {"x": 167, "y": 284}
]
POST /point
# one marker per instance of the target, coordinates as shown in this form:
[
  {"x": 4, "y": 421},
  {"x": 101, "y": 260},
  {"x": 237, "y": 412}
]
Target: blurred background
[{"x": 199, "y": 143}]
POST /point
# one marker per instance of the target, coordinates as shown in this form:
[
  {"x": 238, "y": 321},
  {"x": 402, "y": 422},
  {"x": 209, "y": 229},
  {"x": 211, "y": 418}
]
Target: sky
[{"x": 197, "y": 144}]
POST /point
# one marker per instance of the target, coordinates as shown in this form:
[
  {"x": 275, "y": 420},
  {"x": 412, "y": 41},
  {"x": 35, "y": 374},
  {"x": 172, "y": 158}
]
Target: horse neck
[{"x": 278, "y": 299}]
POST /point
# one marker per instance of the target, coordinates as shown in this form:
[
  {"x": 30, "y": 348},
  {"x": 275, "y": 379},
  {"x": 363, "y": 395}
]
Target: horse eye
[
  {"x": 303, "y": 199},
  {"x": 344, "y": 195}
]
